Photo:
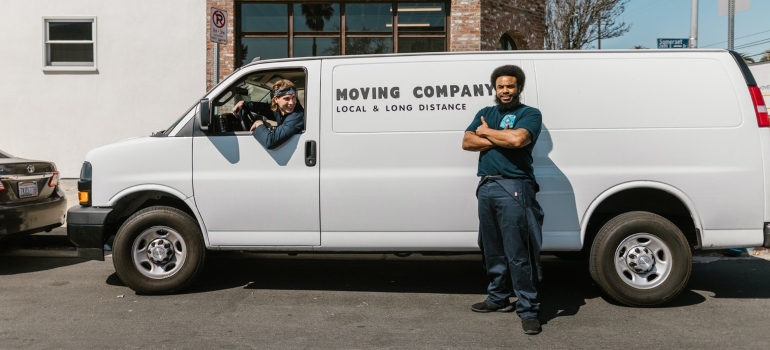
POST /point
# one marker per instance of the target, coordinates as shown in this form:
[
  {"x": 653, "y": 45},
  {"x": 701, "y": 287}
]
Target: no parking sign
[{"x": 218, "y": 21}]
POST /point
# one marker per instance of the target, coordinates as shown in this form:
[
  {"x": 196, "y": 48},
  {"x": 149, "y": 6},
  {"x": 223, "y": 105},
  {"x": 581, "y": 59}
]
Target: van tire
[
  {"x": 177, "y": 245},
  {"x": 640, "y": 259}
]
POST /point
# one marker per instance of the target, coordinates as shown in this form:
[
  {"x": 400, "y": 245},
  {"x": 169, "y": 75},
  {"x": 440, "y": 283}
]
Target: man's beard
[{"x": 507, "y": 106}]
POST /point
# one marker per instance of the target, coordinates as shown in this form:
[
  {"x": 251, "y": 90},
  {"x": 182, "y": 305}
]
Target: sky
[{"x": 653, "y": 19}]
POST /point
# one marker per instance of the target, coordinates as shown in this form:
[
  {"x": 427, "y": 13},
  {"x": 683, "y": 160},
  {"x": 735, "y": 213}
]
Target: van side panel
[
  {"x": 693, "y": 131},
  {"x": 653, "y": 119},
  {"x": 393, "y": 172},
  {"x": 392, "y": 165}
]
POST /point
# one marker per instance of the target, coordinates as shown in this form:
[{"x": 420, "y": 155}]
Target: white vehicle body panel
[
  {"x": 761, "y": 73},
  {"x": 251, "y": 196},
  {"x": 140, "y": 164},
  {"x": 394, "y": 179}
]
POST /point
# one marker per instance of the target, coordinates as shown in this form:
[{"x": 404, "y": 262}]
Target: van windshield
[{"x": 167, "y": 131}]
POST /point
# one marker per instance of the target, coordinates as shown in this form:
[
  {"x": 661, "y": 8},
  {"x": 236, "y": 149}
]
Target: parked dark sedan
[{"x": 30, "y": 198}]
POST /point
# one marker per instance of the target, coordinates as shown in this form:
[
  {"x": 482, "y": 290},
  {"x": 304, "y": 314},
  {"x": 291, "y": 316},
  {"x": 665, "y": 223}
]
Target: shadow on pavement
[
  {"x": 13, "y": 265},
  {"x": 114, "y": 280},
  {"x": 400, "y": 276},
  {"x": 33, "y": 253},
  {"x": 565, "y": 288},
  {"x": 740, "y": 278}
]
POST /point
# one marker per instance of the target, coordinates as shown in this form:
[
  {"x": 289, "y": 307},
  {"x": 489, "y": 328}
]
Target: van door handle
[{"x": 310, "y": 153}]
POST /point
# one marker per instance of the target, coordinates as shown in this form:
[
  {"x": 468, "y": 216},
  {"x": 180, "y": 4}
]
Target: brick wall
[
  {"x": 523, "y": 20},
  {"x": 478, "y": 24},
  {"x": 464, "y": 29},
  {"x": 226, "y": 51}
]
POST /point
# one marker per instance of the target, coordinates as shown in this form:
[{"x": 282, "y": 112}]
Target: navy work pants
[{"x": 510, "y": 237}]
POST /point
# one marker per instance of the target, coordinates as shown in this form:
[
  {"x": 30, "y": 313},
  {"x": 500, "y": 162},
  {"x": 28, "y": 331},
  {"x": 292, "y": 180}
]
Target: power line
[
  {"x": 755, "y": 43},
  {"x": 758, "y": 54},
  {"x": 721, "y": 42}
]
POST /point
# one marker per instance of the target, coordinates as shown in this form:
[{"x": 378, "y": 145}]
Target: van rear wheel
[
  {"x": 641, "y": 259},
  {"x": 158, "y": 250}
]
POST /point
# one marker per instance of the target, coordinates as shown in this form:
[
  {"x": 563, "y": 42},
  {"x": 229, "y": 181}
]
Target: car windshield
[{"x": 176, "y": 122}]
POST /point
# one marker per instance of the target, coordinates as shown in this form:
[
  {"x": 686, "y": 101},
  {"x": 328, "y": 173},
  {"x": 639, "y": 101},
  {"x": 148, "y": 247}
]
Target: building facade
[
  {"x": 279, "y": 29},
  {"x": 79, "y": 74}
]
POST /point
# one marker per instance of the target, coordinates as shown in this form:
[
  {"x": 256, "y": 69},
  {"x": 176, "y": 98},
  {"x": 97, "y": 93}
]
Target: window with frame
[
  {"x": 280, "y": 30},
  {"x": 255, "y": 87},
  {"x": 70, "y": 43}
]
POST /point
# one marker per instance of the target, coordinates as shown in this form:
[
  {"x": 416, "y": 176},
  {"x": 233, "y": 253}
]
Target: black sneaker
[
  {"x": 531, "y": 325},
  {"x": 485, "y": 307}
]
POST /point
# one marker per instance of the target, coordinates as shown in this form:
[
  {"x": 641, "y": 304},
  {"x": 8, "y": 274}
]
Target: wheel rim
[
  {"x": 643, "y": 261},
  {"x": 159, "y": 252}
]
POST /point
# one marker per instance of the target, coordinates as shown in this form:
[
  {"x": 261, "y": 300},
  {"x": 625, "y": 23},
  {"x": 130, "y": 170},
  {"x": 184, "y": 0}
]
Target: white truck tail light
[{"x": 759, "y": 106}]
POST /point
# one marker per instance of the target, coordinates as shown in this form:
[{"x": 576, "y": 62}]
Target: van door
[{"x": 248, "y": 195}]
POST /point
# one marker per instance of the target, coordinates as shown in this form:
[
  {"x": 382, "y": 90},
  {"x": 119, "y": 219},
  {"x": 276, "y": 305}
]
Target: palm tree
[
  {"x": 316, "y": 16},
  {"x": 640, "y": 47},
  {"x": 765, "y": 56},
  {"x": 746, "y": 57}
]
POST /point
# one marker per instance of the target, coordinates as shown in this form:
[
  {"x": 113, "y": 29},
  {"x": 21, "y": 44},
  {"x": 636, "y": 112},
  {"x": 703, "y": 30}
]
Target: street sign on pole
[
  {"x": 729, "y": 8},
  {"x": 740, "y": 5},
  {"x": 673, "y": 43},
  {"x": 218, "y": 26},
  {"x": 218, "y": 35}
]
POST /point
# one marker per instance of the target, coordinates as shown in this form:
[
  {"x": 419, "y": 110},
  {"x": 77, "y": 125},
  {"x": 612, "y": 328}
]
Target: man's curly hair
[{"x": 511, "y": 71}]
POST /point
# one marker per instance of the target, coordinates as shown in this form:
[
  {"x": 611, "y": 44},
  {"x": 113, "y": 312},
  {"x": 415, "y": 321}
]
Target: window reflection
[
  {"x": 264, "y": 48},
  {"x": 368, "y": 45},
  {"x": 304, "y": 47},
  {"x": 421, "y": 17},
  {"x": 506, "y": 43},
  {"x": 368, "y": 17},
  {"x": 71, "y": 53},
  {"x": 317, "y": 29},
  {"x": 316, "y": 17},
  {"x": 69, "y": 31},
  {"x": 264, "y": 17},
  {"x": 421, "y": 44}
]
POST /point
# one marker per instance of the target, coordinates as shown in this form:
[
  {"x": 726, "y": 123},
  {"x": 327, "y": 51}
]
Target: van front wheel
[
  {"x": 158, "y": 250},
  {"x": 640, "y": 259}
]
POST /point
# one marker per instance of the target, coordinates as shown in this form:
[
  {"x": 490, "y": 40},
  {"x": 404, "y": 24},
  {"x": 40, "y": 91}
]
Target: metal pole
[
  {"x": 694, "y": 24},
  {"x": 730, "y": 23},
  {"x": 216, "y": 63},
  {"x": 600, "y": 32}
]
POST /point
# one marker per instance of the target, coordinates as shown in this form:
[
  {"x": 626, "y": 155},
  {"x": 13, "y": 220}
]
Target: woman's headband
[{"x": 285, "y": 91}]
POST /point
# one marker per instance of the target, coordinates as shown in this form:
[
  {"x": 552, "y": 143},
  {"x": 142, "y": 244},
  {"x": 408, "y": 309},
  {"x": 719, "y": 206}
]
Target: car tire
[
  {"x": 640, "y": 259},
  {"x": 159, "y": 250}
]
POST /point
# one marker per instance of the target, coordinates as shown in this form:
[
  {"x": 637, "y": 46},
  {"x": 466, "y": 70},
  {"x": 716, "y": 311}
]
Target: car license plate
[{"x": 28, "y": 189}]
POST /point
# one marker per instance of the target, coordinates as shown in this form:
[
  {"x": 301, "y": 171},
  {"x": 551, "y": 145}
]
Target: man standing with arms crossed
[{"x": 510, "y": 218}]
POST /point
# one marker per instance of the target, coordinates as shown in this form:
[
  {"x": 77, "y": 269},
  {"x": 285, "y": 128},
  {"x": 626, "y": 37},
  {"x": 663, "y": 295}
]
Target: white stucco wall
[{"x": 151, "y": 60}]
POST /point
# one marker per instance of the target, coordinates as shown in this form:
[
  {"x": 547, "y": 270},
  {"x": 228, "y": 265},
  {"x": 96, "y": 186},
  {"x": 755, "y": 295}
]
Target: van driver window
[{"x": 269, "y": 105}]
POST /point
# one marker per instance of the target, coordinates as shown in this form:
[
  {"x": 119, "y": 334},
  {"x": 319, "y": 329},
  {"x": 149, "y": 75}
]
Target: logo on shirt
[{"x": 508, "y": 121}]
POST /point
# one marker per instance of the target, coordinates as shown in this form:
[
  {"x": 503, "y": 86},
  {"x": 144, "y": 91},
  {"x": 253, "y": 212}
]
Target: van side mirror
[{"x": 204, "y": 114}]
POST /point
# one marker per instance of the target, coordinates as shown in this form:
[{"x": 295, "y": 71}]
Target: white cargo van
[{"x": 645, "y": 156}]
